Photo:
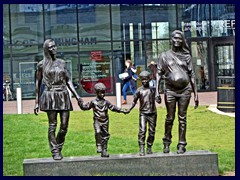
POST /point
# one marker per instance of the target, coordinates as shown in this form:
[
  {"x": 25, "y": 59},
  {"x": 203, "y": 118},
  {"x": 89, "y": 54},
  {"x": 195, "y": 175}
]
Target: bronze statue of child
[
  {"x": 148, "y": 113},
  {"x": 100, "y": 108}
]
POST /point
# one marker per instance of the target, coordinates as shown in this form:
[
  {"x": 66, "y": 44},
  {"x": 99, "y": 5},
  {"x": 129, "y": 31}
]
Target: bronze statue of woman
[
  {"x": 175, "y": 67},
  {"x": 55, "y": 98}
]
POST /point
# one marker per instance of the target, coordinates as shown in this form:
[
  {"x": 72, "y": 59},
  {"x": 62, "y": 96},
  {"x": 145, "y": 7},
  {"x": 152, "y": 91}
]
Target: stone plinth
[{"x": 191, "y": 163}]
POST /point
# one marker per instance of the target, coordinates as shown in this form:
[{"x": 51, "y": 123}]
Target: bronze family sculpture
[
  {"x": 55, "y": 98},
  {"x": 100, "y": 108},
  {"x": 175, "y": 67}
]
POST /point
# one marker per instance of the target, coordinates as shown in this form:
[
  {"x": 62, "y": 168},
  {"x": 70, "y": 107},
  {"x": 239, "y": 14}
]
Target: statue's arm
[
  {"x": 39, "y": 76},
  {"x": 158, "y": 80},
  {"x": 135, "y": 99},
  {"x": 193, "y": 82}
]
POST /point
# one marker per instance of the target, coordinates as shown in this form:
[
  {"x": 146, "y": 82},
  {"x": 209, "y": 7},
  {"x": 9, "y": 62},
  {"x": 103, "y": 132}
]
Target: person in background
[
  {"x": 153, "y": 69},
  {"x": 202, "y": 76},
  {"x": 129, "y": 81}
]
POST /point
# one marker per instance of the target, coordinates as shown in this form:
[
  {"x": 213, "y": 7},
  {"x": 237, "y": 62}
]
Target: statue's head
[
  {"x": 183, "y": 44},
  {"x": 46, "y": 47},
  {"x": 144, "y": 74},
  {"x": 100, "y": 90},
  {"x": 145, "y": 78}
]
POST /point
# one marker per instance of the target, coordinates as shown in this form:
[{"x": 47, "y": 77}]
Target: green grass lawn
[{"x": 25, "y": 136}]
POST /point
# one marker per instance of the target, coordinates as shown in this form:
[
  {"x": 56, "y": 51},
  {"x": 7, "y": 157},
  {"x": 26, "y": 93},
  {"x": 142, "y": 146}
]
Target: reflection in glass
[
  {"x": 94, "y": 21},
  {"x": 96, "y": 66},
  {"x": 27, "y": 24},
  {"x": 24, "y": 66},
  {"x": 61, "y": 23},
  {"x": 225, "y": 60},
  {"x": 201, "y": 20},
  {"x": 199, "y": 56}
]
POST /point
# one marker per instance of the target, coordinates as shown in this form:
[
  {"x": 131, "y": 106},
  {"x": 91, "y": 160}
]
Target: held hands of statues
[
  {"x": 125, "y": 111},
  {"x": 158, "y": 99},
  {"x": 80, "y": 102}
]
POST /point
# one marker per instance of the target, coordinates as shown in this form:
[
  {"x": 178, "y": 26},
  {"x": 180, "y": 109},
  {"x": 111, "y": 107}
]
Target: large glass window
[{"x": 91, "y": 40}]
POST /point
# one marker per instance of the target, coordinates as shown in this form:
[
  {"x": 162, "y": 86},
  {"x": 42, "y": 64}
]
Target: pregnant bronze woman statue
[{"x": 175, "y": 67}]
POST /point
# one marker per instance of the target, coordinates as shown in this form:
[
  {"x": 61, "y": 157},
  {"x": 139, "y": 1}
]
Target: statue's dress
[{"x": 55, "y": 95}]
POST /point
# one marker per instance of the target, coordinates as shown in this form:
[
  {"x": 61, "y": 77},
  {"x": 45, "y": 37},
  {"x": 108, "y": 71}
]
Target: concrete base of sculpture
[{"x": 191, "y": 163}]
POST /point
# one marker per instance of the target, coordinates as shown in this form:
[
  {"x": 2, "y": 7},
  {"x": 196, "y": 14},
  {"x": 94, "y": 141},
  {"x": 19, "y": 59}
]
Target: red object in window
[
  {"x": 96, "y": 56},
  {"x": 88, "y": 84}
]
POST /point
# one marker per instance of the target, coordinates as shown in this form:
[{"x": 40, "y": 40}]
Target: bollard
[
  {"x": 118, "y": 94},
  {"x": 19, "y": 101}
]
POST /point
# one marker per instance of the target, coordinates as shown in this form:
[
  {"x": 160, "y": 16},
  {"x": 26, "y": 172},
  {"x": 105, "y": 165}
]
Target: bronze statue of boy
[
  {"x": 148, "y": 113},
  {"x": 100, "y": 108}
]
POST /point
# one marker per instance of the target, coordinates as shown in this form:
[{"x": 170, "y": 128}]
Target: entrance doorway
[{"x": 212, "y": 57}]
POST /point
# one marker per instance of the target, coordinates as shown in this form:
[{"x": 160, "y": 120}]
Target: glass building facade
[{"x": 95, "y": 39}]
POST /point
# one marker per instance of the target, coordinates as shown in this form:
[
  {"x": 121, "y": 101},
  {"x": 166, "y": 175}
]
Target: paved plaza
[{"x": 205, "y": 98}]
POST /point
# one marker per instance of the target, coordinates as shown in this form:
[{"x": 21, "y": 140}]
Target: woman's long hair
[
  {"x": 185, "y": 47},
  {"x": 47, "y": 61}
]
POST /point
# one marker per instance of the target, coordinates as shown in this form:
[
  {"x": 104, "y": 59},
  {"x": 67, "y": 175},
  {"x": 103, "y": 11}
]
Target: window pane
[
  {"x": 160, "y": 20},
  {"x": 223, "y": 19},
  {"x": 6, "y": 37},
  {"x": 116, "y": 22},
  {"x": 61, "y": 22},
  {"x": 132, "y": 27},
  {"x": 200, "y": 63},
  {"x": 96, "y": 66},
  {"x": 131, "y": 21},
  {"x": 224, "y": 60},
  {"x": 194, "y": 19},
  {"x": 26, "y": 22},
  {"x": 24, "y": 67},
  {"x": 94, "y": 21}
]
